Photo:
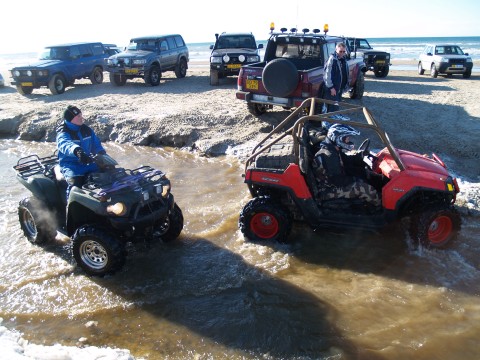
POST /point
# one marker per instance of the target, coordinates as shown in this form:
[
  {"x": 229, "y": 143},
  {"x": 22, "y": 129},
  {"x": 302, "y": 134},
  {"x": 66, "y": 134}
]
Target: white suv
[{"x": 445, "y": 59}]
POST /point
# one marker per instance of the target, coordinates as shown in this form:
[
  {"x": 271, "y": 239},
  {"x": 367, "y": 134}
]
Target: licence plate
[
  {"x": 457, "y": 66},
  {"x": 380, "y": 62},
  {"x": 252, "y": 84},
  {"x": 131, "y": 71},
  {"x": 233, "y": 66},
  {"x": 26, "y": 84}
]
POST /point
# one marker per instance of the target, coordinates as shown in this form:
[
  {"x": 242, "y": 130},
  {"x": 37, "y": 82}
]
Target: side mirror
[
  {"x": 211, "y": 47},
  {"x": 260, "y": 46}
]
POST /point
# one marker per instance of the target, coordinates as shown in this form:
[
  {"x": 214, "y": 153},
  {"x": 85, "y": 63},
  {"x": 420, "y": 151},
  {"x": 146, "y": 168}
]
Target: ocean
[{"x": 404, "y": 49}]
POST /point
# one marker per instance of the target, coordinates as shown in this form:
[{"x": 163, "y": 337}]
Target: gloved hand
[{"x": 82, "y": 157}]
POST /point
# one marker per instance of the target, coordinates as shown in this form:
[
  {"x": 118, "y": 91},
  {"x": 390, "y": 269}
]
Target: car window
[
  {"x": 163, "y": 45},
  {"x": 439, "y": 50},
  {"x": 171, "y": 43},
  {"x": 85, "y": 50},
  {"x": 179, "y": 41},
  {"x": 330, "y": 48},
  {"x": 97, "y": 49},
  {"x": 74, "y": 52}
]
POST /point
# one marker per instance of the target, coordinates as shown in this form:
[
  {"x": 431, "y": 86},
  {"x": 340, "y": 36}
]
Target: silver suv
[{"x": 445, "y": 59}]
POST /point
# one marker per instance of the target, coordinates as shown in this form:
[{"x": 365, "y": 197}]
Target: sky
[{"x": 28, "y": 25}]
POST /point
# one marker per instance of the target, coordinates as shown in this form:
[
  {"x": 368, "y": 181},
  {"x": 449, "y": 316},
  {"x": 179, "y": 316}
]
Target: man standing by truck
[{"x": 336, "y": 76}]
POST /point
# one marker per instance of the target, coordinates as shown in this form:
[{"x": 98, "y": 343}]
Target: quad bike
[
  {"x": 114, "y": 206},
  {"x": 417, "y": 189}
]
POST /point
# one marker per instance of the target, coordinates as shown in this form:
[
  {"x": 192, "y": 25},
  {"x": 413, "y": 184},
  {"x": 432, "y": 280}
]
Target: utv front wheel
[
  {"x": 34, "y": 222},
  {"x": 263, "y": 219},
  {"x": 96, "y": 251},
  {"x": 172, "y": 226},
  {"x": 435, "y": 228}
]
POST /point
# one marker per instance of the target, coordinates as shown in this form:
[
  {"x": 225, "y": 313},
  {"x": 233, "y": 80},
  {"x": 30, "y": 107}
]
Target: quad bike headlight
[{"x": 118, "y": 209}]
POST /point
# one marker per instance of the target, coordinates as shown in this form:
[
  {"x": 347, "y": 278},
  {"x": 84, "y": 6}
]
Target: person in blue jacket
[
  {"x": 76, "y": 143},
  {"x": 336, "y": 75}
]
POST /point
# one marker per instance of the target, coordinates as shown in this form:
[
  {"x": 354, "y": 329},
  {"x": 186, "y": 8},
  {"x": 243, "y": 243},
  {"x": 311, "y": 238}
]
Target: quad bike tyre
[
  {"x": 96, "y": 251},
  {"x": 264, "y": 219},
  {"x": 435, "y": 228},
  {"x": 34, "y": 221},
  {"x": 171, "y": 228}
]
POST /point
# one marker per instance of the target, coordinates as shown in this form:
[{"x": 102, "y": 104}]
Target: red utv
[{"x": 281, "y": 180}]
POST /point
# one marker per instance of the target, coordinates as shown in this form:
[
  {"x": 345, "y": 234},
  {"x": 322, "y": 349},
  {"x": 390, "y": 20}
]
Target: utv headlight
[
  {"x": 118, "y": 209},
  {"x": 215, "y": 60}
]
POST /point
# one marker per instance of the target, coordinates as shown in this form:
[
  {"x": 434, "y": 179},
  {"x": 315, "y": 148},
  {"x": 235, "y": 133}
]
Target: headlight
[
  {"x": 241, "y": 58},
  {"x": 226, "y": 58},
  {"x": 43, "y": 73},
  {"x": 253, "y": 58},
  {"x": 118, "y": 209},
  {"x": 126, "y": 61},
  {"x": 113, "y": 61},
  {"x": 215, "y": 60},
  {"x": 16, "y": 73},
  {"x": 140, "y": 62},
  {"x": 443, "y": 59},
  {"x": 469, "y": 59},
  {"x": 387, "y": 57},
  {"x": 29, "y": 73}
]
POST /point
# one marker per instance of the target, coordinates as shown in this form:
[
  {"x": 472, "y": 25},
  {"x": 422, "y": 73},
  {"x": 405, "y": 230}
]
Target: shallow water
[{"x": 211, "y": 295}]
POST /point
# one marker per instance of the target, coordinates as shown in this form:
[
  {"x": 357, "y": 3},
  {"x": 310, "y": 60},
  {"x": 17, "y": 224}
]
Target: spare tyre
[{"x": 280, "y": 77}]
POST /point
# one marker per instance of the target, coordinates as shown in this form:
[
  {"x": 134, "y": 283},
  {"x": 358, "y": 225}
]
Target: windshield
[
  {"x": 149, "y": 45},
  {"x": 448, "y": 50},
  {"x": 54, "y": 53},
  {"x": 228, "y": 42}
]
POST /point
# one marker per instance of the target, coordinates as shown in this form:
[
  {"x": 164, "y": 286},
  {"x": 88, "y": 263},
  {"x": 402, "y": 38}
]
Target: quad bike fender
[{"x": 44, "y": 189}]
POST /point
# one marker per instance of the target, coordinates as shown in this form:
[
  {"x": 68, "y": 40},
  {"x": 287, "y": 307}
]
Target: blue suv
[{"x": 59, "y": 66}]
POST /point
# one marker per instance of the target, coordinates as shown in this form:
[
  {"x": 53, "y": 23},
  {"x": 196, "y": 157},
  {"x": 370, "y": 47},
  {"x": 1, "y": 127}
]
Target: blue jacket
[
  {"x": 69, "y": 138},
  {"x": 333, "y": 73}
]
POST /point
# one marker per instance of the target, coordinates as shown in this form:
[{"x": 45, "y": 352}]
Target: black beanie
[{"x": 71, "y": 112}]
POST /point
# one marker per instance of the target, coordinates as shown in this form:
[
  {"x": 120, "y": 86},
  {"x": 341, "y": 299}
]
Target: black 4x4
[
  {"x": 376, "y": 61},
  {"x": 230, "y": 52},
  {"x": 148, "y": 57},
  {"x": 59, "y": 66}
]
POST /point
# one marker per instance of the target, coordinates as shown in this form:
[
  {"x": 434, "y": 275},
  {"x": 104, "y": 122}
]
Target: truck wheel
[
  {"x": 421, "y": 71},
  {"x": 57, "y": 84},
  {"x": 263, "y": 219},
  {"x": 213, "y": 77},
  {"x": 256, "y": 109},
  {"x": 96, "y": 77},
  {"x": 153, "y": 76},
  {"x": 34, "y": 221},
  {"x": 467, "y": 74},
  {"x": 381, "y": 72},
  {"x": 181, "y": 69},
  {"x": 435, "y": 228},
  {"x": 117, "y": 79},
  {"x": 96, "y": 251},
  {"x": 433, "y": 71},
  {"x": 280, "y": 77},
  {"x": 358, "y": 89},
  {"x": 24, "y": 90},
  {"x": 172, "y": 226}
]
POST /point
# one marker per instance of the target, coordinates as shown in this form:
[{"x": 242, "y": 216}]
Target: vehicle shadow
[{"x": 221, "y": 298}]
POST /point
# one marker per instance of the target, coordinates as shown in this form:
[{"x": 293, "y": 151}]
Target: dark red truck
[{"x": 292, "y": 71}]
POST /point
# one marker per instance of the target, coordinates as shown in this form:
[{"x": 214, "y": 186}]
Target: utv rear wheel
[
  {"x": 172, "y": 226},
  {"x": 96, "y": 251},
  {"x": 96, "y": 77},
  {"x": 35, "y": 222},
  {"x": 263, "y": 219},
  {"x": 117, "y": 79},
  {"x": 153, "y": 76},
  {"x": 359, "y": 87},
  {"x": 435, "y": 228},
  {"x": 57, "y": 84},
  {"x": 421, "y": 71}
]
